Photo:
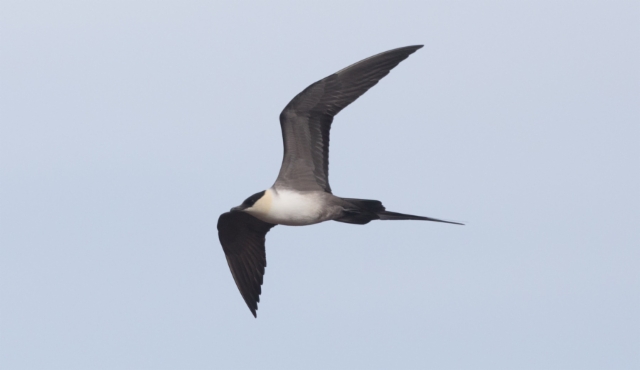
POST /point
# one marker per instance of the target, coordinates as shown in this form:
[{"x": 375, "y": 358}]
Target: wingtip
[{"x": 411, "y": 49}]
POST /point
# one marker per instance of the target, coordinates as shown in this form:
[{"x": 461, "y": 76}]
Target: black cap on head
[{"x": 252, "y": 199}]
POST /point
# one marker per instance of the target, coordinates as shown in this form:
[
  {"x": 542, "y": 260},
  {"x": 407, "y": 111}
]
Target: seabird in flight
[{"x": 301, "y": 194}]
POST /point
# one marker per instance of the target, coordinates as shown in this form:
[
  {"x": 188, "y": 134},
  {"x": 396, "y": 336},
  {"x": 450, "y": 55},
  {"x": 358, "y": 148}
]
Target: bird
[{"x": 301, "y": 194}]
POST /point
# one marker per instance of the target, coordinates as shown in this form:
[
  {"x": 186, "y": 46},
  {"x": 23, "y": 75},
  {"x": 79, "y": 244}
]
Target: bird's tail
[
  {"x": 363, "y": 211},
  {"x": 386, "y": 215}
]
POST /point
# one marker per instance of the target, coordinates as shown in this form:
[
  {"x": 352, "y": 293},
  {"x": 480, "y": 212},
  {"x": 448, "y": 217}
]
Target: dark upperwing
[
  {"x": 306, "y": 120},
  {"x": 242, "y": 237}
]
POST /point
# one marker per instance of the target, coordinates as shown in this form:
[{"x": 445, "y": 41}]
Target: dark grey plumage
[
  {"x": 363, "y": 211},
  {"x": 242, "y": 237},
  {"x": 301, "y": 194},
  {"x": 306, "y": 120}
]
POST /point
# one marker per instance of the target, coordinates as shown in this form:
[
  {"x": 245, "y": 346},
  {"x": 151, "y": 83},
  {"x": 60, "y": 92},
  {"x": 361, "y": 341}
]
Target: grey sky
[{"x": 126, "y": 128}]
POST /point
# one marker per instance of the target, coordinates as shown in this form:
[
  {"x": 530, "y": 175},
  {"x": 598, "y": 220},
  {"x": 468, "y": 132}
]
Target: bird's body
[
  {"x": 295, "y": 208},
  {"x": 301, "y": 194}
]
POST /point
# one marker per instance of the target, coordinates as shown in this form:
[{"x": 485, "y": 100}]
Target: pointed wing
[
  {"x": 306, "y": 120},
  {"x": 242, "y": 237}
]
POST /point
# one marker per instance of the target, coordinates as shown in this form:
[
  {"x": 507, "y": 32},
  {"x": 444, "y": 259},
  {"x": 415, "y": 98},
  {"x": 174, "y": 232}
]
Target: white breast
[{"x": 288, "y": 207}]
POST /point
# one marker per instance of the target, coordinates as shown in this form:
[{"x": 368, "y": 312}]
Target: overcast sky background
[{"x": 127, "y": 128}]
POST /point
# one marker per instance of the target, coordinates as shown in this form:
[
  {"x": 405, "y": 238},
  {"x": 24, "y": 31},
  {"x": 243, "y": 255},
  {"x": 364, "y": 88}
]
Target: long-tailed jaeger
[{"x": 301, "y": 194}]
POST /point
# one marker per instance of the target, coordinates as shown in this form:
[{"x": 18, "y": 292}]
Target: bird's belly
[{"x": 295, "y": 209}]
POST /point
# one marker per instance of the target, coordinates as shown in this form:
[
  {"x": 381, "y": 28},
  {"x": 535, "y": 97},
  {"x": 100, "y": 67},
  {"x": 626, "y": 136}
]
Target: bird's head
[{"x": 257, "y": 203}]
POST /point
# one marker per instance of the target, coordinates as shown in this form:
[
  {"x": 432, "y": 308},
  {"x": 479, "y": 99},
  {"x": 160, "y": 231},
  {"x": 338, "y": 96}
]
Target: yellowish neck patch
[{"x": 263, "y": 205}]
